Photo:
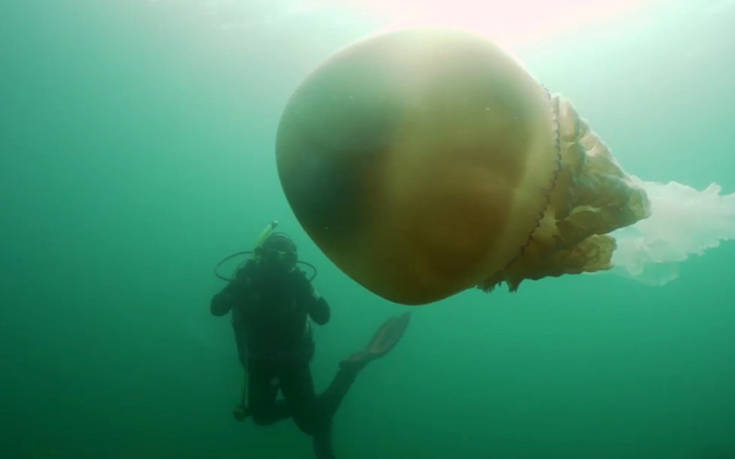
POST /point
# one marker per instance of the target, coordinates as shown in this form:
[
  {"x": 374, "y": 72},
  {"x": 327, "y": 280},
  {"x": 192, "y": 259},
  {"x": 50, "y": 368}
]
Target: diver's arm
[
  {"x": 233, "y": 294},
  {"x": 223, "y": 301}
]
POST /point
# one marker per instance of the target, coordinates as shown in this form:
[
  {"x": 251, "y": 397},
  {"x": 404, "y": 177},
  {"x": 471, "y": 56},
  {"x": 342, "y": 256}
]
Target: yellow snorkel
[{"x": 267, "y": 231}]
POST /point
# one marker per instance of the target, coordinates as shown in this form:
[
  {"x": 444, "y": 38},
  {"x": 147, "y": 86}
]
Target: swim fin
[{"x": 385, "y": 339}]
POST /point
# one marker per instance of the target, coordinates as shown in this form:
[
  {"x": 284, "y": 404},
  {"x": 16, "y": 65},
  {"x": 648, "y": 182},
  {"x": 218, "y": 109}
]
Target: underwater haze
[{"x": 137, "y": 150}]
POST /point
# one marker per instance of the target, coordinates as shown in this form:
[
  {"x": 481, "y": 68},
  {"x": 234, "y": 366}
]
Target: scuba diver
[{"x": 271, "y": 301}]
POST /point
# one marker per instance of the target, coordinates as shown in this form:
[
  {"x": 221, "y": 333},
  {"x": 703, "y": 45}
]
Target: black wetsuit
[{"x": 270, "y": 312}]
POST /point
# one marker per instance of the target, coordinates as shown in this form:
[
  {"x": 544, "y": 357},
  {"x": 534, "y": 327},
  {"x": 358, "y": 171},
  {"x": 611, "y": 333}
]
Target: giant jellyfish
[{"x": 424, "y": 162}]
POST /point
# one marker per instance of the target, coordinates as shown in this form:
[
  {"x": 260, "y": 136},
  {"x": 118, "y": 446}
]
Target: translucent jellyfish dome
[{"x": 424, "y": 162}]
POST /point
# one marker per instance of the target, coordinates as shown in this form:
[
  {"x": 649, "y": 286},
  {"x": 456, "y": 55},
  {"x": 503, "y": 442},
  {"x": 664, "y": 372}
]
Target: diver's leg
[
  {"x": 262, "y": 392},
  {"x": 330, "y": 399},
  {"x": 298, "y": 389},
  {"x": 306, "y": 410},
  {"x": 322, "y": 441},
  {"x": 384, "y": 340}
]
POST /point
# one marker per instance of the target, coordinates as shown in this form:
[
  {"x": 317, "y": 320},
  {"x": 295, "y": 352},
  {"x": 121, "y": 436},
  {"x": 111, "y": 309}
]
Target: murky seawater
[{"x": 136, "y": 150}]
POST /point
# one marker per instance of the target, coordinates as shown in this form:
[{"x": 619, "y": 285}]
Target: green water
[{"x": 136, "y": 149}]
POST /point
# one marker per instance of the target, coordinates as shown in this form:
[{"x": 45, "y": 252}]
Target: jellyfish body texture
[{"x": 424, "y": 162}]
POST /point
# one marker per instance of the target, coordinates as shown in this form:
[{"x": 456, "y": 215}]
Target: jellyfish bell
[{"x": 424, "y": 162}]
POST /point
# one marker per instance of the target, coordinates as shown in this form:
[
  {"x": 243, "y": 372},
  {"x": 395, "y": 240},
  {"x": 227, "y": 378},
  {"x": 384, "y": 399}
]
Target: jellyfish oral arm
[{"x": 684, "y": 222}]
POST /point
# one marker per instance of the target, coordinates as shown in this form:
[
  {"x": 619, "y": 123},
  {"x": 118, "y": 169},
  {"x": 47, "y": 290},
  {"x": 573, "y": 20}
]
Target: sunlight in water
[{"x": 508, "y": 22}]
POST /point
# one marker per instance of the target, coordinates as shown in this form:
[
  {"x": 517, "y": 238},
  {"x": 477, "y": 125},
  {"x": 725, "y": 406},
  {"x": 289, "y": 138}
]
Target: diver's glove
[
  {"x": 240, "y": 412},
  {"x": 221, "y": 303}
]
